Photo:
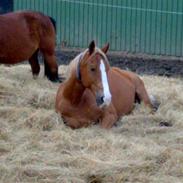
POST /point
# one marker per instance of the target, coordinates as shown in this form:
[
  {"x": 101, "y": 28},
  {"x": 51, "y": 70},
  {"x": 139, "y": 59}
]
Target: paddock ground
[
  {"x": 35, "y": 145},
  {"x": 139, "y": 63}
]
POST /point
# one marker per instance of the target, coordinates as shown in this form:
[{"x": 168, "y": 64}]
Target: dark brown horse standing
[{"x": 22, "y": 35}]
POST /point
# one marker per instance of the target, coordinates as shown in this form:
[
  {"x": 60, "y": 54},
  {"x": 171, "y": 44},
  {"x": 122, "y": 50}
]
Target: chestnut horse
[
  {"x": 22, "y": 35},
  {"x": 95, "y": 92}
]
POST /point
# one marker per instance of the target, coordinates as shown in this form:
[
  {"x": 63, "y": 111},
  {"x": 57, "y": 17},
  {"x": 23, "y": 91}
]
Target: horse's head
[{"x": 92, "y": 71}]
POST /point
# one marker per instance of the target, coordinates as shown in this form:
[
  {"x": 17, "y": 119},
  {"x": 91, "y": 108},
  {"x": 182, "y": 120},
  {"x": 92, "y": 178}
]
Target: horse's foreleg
[
  {"x": 75, "y": 123},
  {"x": 109, "y": 117},
  {"x": 71, "y": 122},
  {"x": 35, "y": 64}
]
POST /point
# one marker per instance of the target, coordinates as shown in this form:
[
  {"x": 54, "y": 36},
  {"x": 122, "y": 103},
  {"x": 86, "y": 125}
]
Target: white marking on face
[{"x": 107, "y": 93}]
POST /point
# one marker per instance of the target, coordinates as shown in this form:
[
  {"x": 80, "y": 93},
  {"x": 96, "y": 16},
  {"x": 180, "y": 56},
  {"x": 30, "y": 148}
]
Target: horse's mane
[{"x": 74, "y": 63}]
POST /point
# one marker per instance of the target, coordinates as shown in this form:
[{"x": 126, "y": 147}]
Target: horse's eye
[{"x": 92, "y": 69}]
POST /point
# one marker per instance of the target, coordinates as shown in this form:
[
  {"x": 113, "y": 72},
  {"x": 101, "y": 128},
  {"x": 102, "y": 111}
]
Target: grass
[{"x": 35, "y": 145}]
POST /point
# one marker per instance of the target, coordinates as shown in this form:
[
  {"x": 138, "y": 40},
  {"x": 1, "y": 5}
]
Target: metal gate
[{"x": 135, "y": 26}]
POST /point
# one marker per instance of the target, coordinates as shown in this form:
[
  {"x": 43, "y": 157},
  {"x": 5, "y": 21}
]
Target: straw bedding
[{"x": 35, "y": 145}]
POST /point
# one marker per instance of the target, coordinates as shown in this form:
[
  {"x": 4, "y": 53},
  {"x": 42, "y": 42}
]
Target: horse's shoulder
[
  {"x": 60, "y": 95},
  {"x": 63, "y": 106}
]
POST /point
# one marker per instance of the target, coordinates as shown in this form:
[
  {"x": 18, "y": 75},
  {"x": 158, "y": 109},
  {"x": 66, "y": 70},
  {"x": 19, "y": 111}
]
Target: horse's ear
[
  {"x": 91, "y": 47},
  {"x": 105, "y": 48}
]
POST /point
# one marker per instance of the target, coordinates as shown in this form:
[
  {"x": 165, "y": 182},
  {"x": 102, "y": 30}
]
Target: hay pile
[{"x": 35, "y": 145}]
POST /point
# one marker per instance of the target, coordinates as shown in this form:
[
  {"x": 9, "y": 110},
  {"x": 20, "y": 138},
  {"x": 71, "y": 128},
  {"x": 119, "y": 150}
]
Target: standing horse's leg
[
  {"x": 35, "y": 64},
  {"x": 50, "y": 65}
]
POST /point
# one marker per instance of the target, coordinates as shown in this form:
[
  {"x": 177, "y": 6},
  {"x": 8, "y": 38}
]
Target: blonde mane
[{"x": 73, "y": 64}]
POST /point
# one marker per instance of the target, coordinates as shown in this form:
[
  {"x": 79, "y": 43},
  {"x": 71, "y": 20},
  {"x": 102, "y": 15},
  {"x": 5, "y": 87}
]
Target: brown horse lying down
[
  {"x": 96, "y": 92},
  {"x": 22, "y": 35}
]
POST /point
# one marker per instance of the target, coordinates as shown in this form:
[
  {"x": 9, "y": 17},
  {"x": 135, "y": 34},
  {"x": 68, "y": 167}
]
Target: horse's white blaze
[{"x": 107, "y": 93}]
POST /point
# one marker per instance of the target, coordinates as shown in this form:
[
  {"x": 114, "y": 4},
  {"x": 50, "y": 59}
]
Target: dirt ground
[{"x": 150, "y": 65}]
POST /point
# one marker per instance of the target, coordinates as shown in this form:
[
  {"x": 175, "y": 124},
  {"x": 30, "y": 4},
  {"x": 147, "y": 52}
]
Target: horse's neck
[{"x": 73, "y": 90}]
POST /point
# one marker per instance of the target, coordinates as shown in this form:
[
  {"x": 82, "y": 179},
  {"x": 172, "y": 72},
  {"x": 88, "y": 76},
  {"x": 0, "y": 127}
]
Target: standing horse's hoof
[
  {"x": 35, "y": 76},
  {"x": 56, "y": 79},
  {"x": 60, "y": 79}
]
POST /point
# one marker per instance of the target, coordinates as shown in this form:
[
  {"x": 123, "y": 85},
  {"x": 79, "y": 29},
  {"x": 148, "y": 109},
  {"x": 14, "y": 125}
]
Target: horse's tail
[{"x": 53, "y": 21}]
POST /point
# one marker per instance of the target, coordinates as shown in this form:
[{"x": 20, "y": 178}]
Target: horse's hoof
[
  {"x": 155, "y": 103},
  {"x": 165, "y": 123},
  {"x": 35, "y": 76},
  {"x": 61, "y": 79},
  {"x": 57, "y": 79}
]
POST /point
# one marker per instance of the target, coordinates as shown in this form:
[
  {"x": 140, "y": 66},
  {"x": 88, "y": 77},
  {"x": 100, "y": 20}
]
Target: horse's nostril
[{"x": 102, "y": 99}]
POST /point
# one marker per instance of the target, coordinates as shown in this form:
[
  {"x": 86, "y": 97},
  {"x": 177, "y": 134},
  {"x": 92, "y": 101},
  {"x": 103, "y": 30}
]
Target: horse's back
[
  {"x": 131, "y": 76},
  {"x": 12, "y": 26},
  {"x": 21, "y": 33},
  {"x": 18, "y": 24}
]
